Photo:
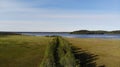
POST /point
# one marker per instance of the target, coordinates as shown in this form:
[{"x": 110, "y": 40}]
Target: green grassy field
[
  {"x": 59, "y": 54},
  {"x": 29, "y": 51},
  {"x": 22, "y": 51},
  {"x": 103, "y": 52}
]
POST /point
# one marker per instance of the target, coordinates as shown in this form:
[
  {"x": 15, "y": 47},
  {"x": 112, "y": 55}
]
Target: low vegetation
[
  {"x": 97, "y": 52},
  {"x": 22, "y": 51},
  {"x": 59, "y": 54},
  {"x": 35, "y": 51},
  {"x": 49, "y": 57}
]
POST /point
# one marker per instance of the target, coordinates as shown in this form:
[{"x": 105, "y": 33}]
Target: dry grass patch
[
  {"x": 108, "y": 50},
  {"x": 22, "y": 51}
]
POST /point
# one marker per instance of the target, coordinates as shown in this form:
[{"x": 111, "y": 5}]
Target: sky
[{"x": 59, "y": 15}]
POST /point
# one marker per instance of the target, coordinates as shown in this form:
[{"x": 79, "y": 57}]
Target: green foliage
[
  {"x": 59, "y": 54},
  {"x": 95, "y": 32},
  {"x": 22, "y": 51},
  {"x": 49, "y": 60}
]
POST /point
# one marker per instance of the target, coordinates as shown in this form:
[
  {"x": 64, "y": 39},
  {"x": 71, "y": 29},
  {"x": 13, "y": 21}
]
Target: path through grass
[{"x": 59, "y": 54}]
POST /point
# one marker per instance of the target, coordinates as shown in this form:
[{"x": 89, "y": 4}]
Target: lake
[{"x": 110, "y": 36}]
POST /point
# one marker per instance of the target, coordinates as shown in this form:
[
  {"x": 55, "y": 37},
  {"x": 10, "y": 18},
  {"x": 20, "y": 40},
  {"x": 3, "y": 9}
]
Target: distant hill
[
  {"x": 95, "y": 32},
  {"x": 9, "y": 33}
]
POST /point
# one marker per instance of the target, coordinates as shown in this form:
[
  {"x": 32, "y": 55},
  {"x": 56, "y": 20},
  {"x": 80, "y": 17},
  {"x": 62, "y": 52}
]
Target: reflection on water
[{"x": 111, "y": 36}]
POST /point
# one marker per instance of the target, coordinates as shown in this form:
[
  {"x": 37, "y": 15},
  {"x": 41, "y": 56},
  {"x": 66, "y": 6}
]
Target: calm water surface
[{"x": 110, "y": 36}]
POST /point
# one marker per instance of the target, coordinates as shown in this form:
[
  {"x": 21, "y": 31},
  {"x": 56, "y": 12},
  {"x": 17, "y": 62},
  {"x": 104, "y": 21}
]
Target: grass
[
  {"x": 22, "y": 51},
  {"x": 66, "y": 56},
  {"x": 107, "y": 50},
  {"x": 49, "y": 57},
  {"x": 59, "y": 54},
  {"x": 29, "y": 51}
]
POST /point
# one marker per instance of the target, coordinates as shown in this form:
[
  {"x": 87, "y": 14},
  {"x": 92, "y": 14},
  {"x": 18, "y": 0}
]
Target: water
[{"x": 110, "y": 36}]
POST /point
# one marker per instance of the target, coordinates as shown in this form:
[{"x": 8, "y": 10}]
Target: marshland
[{"x": 57, "y": 51}]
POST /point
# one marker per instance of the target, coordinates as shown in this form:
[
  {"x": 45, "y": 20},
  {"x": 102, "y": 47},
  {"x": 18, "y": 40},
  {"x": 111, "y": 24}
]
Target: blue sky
[{"x": 59, "y": 15}]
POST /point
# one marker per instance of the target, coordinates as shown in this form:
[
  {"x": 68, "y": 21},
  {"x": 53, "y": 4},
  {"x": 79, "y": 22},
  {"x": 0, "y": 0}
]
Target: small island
[{"x": 95, "y": 32}]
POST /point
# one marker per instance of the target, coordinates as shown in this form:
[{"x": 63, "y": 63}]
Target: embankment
[{"x": 59, "y": 54}]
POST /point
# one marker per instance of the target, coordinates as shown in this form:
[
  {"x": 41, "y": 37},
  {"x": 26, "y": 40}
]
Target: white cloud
[
  {"x": 16, "y": 9},
  {"x": 16, "y": 15},
  {"x": 53, "y": 14}
]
